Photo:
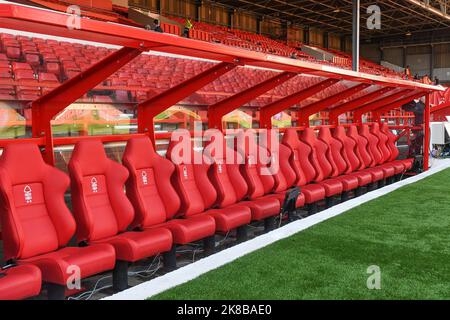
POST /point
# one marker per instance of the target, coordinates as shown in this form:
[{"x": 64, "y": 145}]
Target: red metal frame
[
  {"x": 49, "y": 105},
  {"x": 149, "y": 109},
  {"x": 426, "y": 129},
  {"x": 267, "y": 112},
  {"x": 220, "y": 109},
  {"x": 136, "y": 40},
  {"x": 307, "y": 111},
  {"x": 358, "y": 113},
  {"x": 352, "y": 105}
]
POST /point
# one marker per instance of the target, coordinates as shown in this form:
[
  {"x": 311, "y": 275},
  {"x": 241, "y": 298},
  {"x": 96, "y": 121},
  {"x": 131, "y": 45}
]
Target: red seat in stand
[
  {"x": 198, "y": 195},
  {"x": 304, "y": 170},
  {"x": 339, "y": 167},
  {"x": 36, "y": 223},
  {"x": 351, "y": 158},
  {"x": 103, "y": 212},
  {"x": 20, "y": 282},
  {"x": 231, "y": 186},
  {"x": 155, "y": 200}
]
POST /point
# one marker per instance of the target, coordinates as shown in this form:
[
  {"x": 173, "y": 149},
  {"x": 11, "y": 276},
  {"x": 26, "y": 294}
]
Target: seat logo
[
  {"x": 185, "y": 172},
  {"x": 144, "y": 178},
  {"x": 94, "y": 185},
  {"x": 28, "y": 195}
]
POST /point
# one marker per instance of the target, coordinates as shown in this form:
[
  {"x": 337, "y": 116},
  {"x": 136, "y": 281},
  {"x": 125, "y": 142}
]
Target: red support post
[
  {"x": 267, "y": 112},
  {"x": 351, "y": 105},
  {"x": 426, "y": 143},
  {"x": 149, "y": 109},
  {"x": 220, "y": 109},
  {"x": 48, "y": 106},
  {"x": 313, "y": 108},
  {"x": 358, "y": 113}
]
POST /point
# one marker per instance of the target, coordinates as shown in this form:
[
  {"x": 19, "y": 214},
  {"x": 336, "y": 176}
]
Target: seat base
[
  {"x": 231, "y": 217},
  {"x": 20, "y": 282},
  {"x": 56, "y": 267},
  {"x": 191, "y": 229}
]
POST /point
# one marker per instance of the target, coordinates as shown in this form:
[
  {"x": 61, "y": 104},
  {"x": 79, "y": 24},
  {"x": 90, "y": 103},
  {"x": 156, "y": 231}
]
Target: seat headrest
[
  {"x": 290, "y": 137},
  {"x": 364, "y": 130},
  {"x": 339, "y": 132},
  {"x": 353, "y": 131},
  {"x": 140, "y": 152},
  {"x": 309, "y": 136},
  {"x": 23, "y": 162},
  {"x": 90, "y": 157},
  {"x": 376, "y": 128},
  {"x": 325, "y": 134}
]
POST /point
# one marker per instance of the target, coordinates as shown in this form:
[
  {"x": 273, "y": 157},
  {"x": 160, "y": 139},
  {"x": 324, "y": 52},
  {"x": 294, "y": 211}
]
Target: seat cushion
[
  {"x": 191, "y": 229},
  {"x": 231, "y": 217},
  {"x": 408, "y": 163},
  {"x": 313, "y": 193},
  {"x": 348, "y": 182},
  {"x": 377, "y": 173},
  {"x": 133, "y": 246},
  {"x": 262, "y": 208},
  {"x": 388, "y": 170},
  {"x": 364, "y": 178},
  {"x": 56, "y": 266},
  {"x": 20, "y": 282},
  {"x": 398, "y": 167},
  {"x": 332, "y": 187}
]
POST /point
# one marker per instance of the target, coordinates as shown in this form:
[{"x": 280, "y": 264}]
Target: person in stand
[
  {"x": 187, "y": 27},
  {"x": 437, "y": 81},
  {"x": 426, "y": 80},
  {"x": 157, "y": 26},
  {"x": 408, "y": 72}
]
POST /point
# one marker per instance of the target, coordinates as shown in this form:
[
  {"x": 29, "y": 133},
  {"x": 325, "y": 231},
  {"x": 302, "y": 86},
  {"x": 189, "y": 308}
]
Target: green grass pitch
[{"x": 406, "y": 233}]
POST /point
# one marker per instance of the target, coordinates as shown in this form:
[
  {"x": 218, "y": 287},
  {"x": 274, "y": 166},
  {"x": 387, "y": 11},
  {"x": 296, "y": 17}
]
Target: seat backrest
[
  {"x": 319, "y": 155},
  {"x": 372, "y": 146},
  {"x": 149, "y": 185},
  {"x": 391, "y": 143},
  {"x": 283, "y": 174},
  {"x": 259, "y": 184},
  {"x": 300, "y": 157},
  {"x": 35, "y": 219},
  {"x": 225, "y": 175},
  {"x": 335, "y": 153},
  {"x": 382, "y": 142},
  {"x": 349, "y": 148},
  {"x": 100, "y": 205},
  {"x": 190, "y": 180},
  {"x": 361, "y": 147}
]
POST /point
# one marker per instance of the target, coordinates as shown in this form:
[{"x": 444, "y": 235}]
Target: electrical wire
[{"x": 91, "y": 292}]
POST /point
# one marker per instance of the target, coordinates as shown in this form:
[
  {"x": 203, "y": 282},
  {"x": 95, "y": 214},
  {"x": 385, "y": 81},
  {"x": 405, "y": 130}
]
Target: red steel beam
[
  {"x": 316, "y": 107},
  {"x": 351, "y": 105},
  {"x": 442, "y": 106},
  {"x": 267, "y": 112},
  {"x": 149, "y": 109},
  {"x": 399, "y": 103},
  {"x": 358, "y": 113},
  {"x": 220, "y": 109},
  {"x": 49, "y": 105}
]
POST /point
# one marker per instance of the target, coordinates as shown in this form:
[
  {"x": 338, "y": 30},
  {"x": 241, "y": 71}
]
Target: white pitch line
[{"x": 194, "y": 270}]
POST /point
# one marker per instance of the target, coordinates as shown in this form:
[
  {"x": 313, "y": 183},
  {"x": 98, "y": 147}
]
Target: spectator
[
  {"x": 417, "y": 107},
  {"x": 187, "y": 27},
  {"x": 156, "y": 26},
  {"x": 436, "y": 81},
  {"x": 408, "y": 72},
  {"x": 416, "y": 77},
  {"x": 426, "y": 79},
  {"x": 294, "y": 55}
]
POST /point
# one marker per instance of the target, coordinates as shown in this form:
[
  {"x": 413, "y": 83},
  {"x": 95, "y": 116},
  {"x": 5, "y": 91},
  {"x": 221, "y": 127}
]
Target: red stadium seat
[
  {"x": 155, "y": 200},
  {"x": 33, "y": 206},
  {"x": 20, "y": 282},
  {"x": 197, "y": 194},
  {"x": 103, "y": 212},
  {"x": 303, "y": 168},
  {"x": 232, "y": 188},
  {"x": 350, "y": 157}
]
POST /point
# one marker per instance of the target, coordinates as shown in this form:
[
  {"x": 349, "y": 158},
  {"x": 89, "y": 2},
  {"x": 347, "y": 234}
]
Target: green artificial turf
[{"x": 406, "y": 233}]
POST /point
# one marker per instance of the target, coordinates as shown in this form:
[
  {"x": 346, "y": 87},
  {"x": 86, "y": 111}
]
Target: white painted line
[{"x": 194, "y": 270}]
